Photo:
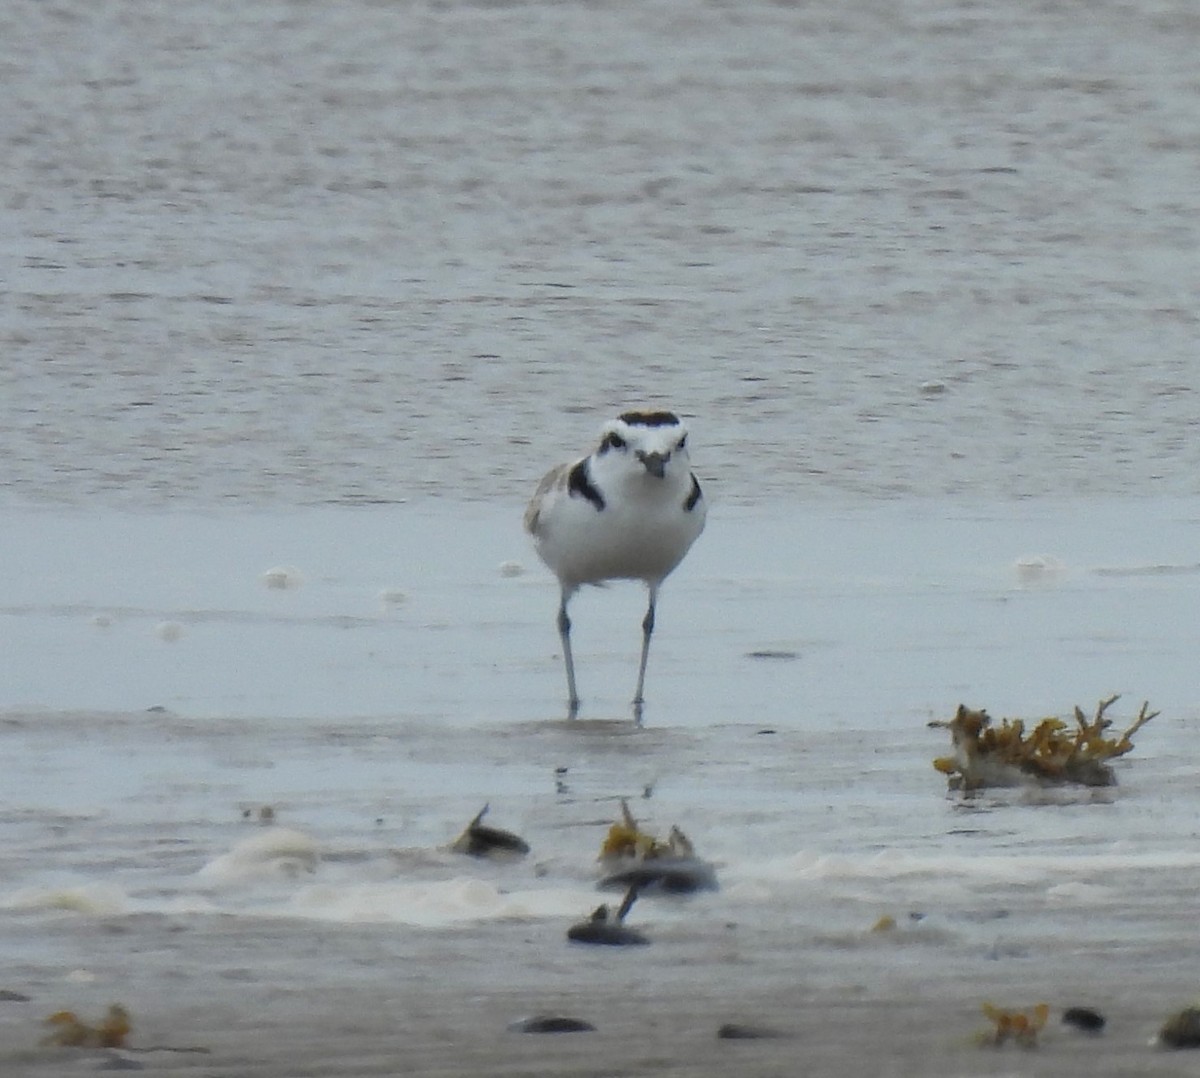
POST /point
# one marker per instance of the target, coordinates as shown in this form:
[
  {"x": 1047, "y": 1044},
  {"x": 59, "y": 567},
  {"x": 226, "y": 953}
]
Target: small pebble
[
  {"x": 511, "y": 568},
  {"x": 168, "y": 631}
]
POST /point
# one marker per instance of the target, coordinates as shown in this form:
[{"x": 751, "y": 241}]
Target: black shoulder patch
[
  {"x": 650, "y": 419},
  {"x": 693, "y": 499},
  {"x": 579, "y": 485}
]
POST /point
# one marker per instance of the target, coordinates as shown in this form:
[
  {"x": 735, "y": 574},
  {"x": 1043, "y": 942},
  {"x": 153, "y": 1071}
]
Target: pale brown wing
[{"x": 554, "y": 478}]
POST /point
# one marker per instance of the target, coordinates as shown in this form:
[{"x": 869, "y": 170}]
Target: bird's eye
[{"x": 614, "y": 441}]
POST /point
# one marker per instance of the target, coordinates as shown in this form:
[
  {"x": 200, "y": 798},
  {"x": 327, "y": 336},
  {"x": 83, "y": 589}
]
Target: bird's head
[{"x": 655, "y": 440}]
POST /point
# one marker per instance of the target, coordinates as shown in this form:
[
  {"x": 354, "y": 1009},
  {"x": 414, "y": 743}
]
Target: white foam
[
  {"x": 436, "y": 903},
  {"x": 279, "y": 852},
  {"x": 766, "y": 876},
  {"x": 89, "y": 899}
]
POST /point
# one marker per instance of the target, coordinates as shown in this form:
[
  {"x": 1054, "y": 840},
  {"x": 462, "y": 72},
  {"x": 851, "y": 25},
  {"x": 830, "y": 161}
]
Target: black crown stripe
[{"x": 650, "y": 419}]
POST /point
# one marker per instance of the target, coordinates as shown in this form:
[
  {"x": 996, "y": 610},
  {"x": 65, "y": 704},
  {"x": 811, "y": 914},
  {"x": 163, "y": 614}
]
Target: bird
[{"x": 630, "y": 510}]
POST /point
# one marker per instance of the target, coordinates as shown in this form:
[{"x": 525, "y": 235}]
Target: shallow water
[
  {"x": 323, "y": 289},
  {"x": 294, "y": 253}
]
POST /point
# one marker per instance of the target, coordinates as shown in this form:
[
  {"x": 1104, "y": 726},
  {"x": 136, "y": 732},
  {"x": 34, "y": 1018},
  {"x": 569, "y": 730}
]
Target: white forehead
[{"x": 647, "y": 428}]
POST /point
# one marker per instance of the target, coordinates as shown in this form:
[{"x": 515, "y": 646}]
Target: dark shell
[
  {"x": 736, "y": 1031},
  {"x": 606, "y": 934},
  {"x": 481, "y": 841},
  {"x": 1084, "y": 1018},
  {"x": 674, "y": 875},
  {"x": 551, "y": 1023}
]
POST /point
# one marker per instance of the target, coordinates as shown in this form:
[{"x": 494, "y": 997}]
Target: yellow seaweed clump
[
  {"x": 633, "y": 858},
  {"x": 68, "y": 1031},
  {"x": 625, "y": 841},
  {"x": 1020, "y": 1027},
  {"x": 1052, "y": 752}
]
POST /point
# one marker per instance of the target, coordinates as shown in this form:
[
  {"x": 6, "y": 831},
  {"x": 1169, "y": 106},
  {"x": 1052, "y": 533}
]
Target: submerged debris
[
  {"x": 68, "y": 1031},
  {"x": 1181, "y": 1030},
  {"x": 739, "y": 1031},
  {"x": 1020, "y": 1027},
  {"x": 640, "y": 860},
  {"x": 263, "y": 814},
  {"x": 607, "y": 928},
  {"x": 479, "y": 840},
  {"x": 988, "y": 755}
]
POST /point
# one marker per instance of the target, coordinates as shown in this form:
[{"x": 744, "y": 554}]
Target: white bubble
[
  {"x": 1039, "y": 569},
  {"x": 282, "y": 578}
]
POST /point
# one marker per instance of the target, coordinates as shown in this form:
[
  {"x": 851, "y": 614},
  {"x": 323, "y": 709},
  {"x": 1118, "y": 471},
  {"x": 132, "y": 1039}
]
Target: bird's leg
[
  {"x": 564, "y": 634},
  {"x": 647, "y": 629}
]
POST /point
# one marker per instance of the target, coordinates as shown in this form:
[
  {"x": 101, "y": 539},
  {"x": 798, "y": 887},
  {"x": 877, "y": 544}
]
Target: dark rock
[
  {"x": 1181, "y": 1030},
  {"x": 607, "y": 928}
]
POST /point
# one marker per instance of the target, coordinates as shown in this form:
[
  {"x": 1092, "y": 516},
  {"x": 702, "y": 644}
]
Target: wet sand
[
  {"x": 288, "y": 999},
  {"x": 387, "y": 958},
  {"x": 1041, "y": 905}
]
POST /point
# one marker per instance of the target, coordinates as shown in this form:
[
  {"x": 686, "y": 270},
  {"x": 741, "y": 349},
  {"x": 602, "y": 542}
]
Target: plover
[{"x": 630, "y": 511}]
